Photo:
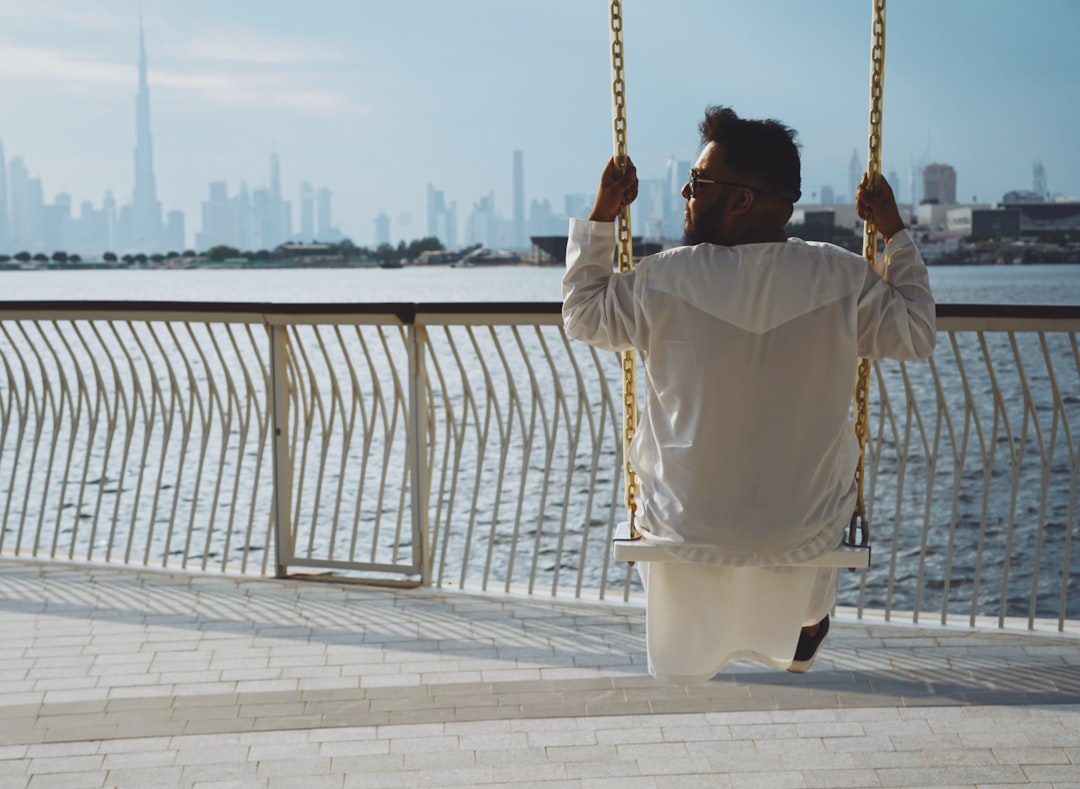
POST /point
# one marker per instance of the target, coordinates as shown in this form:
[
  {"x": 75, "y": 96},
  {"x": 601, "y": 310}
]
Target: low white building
[{"x": 842, "y": 215}]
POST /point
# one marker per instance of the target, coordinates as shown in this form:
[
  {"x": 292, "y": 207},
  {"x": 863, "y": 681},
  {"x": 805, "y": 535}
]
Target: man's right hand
[
  {"x": 878, "y": 205},
  {"x": 615, "y": 191}
]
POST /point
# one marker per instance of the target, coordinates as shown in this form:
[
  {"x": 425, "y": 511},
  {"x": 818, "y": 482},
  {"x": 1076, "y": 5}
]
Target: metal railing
[{"x": 474, "y": 446}]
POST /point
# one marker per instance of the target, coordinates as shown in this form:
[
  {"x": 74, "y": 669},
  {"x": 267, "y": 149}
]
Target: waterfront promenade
[{"x": 139, "y": 678}]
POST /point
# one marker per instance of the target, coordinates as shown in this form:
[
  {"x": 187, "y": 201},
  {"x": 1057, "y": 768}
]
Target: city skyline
[{"x": 361, "y": 120}]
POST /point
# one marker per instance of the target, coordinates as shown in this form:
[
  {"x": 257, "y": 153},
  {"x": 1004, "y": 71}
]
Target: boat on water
[
  {"x": 554, "y": 247},
  {"x": 485, "y": 256}
]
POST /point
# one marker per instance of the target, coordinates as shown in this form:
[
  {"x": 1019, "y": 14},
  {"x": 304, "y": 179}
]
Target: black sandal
[{"x": 808, "y": 647}]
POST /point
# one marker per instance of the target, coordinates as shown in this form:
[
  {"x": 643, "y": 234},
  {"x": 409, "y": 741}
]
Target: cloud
[
  {"x": 68, "y": 14},
  {"x": 249, "y": 47},
  {"x": 24, "y": 63},
  {"x": 274, "y": 91},
  {"x": 256, "y": 70},
  {"x": 48, "y": 69}
]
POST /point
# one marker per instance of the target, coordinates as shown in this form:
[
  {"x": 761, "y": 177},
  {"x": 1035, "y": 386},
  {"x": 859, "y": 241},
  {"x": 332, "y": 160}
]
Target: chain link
[
  {"x": 873, "y": 169},
  {"x": 625, "y": 247}
]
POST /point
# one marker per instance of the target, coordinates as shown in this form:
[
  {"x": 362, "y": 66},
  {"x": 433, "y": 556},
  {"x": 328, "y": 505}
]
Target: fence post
[
  {"x": 279, "y": 413},
  {"x": 418, "y": 489}
]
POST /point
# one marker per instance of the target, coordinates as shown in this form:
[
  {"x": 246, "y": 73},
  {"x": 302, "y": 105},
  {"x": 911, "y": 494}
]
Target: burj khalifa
[{"x": 141, "y": 226}]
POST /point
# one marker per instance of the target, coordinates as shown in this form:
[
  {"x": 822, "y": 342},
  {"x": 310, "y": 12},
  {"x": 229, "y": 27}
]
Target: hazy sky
[{"x": 376, "y": 99}]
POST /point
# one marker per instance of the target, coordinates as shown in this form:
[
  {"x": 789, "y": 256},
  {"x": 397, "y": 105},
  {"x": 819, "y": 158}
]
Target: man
[{"x": 745, "y": 454}]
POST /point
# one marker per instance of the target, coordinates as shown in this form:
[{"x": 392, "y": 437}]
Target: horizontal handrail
[{"x": 408, "y": 312}]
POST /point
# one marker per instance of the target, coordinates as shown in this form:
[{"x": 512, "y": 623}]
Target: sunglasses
[{"x": 696, "y": 178}]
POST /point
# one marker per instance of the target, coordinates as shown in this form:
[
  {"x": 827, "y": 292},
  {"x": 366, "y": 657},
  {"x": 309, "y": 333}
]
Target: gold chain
[
  {"x": 625, "y": 247},
  {"x": 873, "y": 168}
]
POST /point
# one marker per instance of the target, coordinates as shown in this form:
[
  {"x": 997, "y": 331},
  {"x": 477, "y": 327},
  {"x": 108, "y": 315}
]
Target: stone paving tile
[{"x": 494, "y": 691}]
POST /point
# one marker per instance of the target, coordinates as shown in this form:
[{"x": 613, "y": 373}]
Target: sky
[{"x": 376, "y": 99}]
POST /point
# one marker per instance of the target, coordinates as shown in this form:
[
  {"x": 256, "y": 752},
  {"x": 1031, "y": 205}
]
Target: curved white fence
[{"x": 474, "y": 447}]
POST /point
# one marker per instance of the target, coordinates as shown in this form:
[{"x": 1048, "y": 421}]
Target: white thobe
[{"x": 745, "y": 453}]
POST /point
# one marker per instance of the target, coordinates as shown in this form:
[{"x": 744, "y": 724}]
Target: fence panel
[{"x": 475, "y": 447}]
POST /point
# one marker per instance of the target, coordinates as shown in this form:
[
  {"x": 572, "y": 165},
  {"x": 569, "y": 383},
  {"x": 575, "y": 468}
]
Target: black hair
[{"x": 766, "y": 150}]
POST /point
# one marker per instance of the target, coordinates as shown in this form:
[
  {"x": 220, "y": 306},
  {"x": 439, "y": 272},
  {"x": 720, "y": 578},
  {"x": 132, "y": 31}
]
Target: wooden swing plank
[{"x": 625, "y": 549}]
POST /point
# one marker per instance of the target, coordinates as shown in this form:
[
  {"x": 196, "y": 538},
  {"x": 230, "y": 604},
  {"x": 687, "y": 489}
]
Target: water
[{"x": 1035, "y": 284}]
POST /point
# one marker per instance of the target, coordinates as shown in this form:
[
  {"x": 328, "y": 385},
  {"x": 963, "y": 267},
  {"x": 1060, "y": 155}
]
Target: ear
[{"x": 743, "y": 202}]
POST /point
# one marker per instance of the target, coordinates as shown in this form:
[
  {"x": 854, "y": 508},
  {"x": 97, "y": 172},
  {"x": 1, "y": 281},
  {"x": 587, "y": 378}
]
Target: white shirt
[{"x": 745, "y": 453}]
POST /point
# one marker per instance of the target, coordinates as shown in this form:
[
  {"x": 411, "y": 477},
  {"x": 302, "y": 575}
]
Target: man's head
[{"x": 744, "y": 183}]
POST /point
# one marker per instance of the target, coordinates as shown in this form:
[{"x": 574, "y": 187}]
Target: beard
[{"x": 703, "y": 228}]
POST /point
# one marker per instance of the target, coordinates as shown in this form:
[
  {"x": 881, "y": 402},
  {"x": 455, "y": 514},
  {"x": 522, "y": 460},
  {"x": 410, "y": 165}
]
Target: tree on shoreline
[{"x": 221, "y": 252}]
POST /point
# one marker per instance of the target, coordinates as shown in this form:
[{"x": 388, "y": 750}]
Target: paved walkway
[{"x": 126, "y": 678}]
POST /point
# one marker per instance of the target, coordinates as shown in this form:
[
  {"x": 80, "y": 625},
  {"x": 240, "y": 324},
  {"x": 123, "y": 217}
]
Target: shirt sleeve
[
  {"x": 598, "y": 304},
  {"x": 897, "y": 318}
]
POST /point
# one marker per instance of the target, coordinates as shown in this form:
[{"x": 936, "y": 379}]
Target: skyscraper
[
  {"x": 27, "y": 208},
  {"x": 382, "y": 229},
  {"x": 5, "y": 233},
  {"x": 855, "y": 174},
  {"x": 144, "y": 232},
  {"x": 275, "y": 176},
  {"x": 324, "y": 224},
  {"x": 519, "y": 200},
  {"x": 672, "y": 204},
  {"x": 221, "y": 222},
  {"x": 939, "y": 184},
  {"x": 441, "y": 219},
  {"x": 1038, "y": 179},
  {"x": 272, "y": 221},
  {"x": 894, "y": 181}
]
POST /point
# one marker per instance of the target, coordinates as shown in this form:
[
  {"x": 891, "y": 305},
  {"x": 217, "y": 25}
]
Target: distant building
[
  {"x": 1038, "y": 180},
  {"x": 647, "y": 212},
  {"x": 90, "y": 233},
  {"x": 265, "y": 220},
  {"x": 579, "y": 206},
  {"x": 221, "y": 220},
  {"x": 5, "y": 225},
  {"x": 838, "y": 215},
  {"x": 307, "y": 212},
  {"x": 1021, "y": 196},
  {"x": 995, "y": 223},
  {"x": 939, "y": 184},
  {"x": 1042, "y": 219},
  {"x": 175, "y": 231},
  {"x": 290, "y": 251},
  {"x": 317, "y": 208},
  {"x": 271, "y": 220},
  {"x": 485, "y": 227},
  {"x": 140, "y": 223},
  {"x": 894, "y": 181},
  {"x": 518, "y": 240},
  {"x": 324, "y": 221},
  {"x": 441, "y": 218},
  {"x": 543, "y": 221},
  {"x": 932, "y": 215},
  {"x": 57, "y": 221},
  {"x": 108, "y": 208},
  {"x": 676, "y": 174},
  {"x": 27, "y": 208},
  {"x": 382, "y": 229},
  {"x": 855, "y": 174},
  {"x": 1016, "y": 220}
]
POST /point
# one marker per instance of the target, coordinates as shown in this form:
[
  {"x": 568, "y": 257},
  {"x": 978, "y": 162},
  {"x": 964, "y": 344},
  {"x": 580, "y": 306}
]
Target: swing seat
[{"x": 624, "y": 548}]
